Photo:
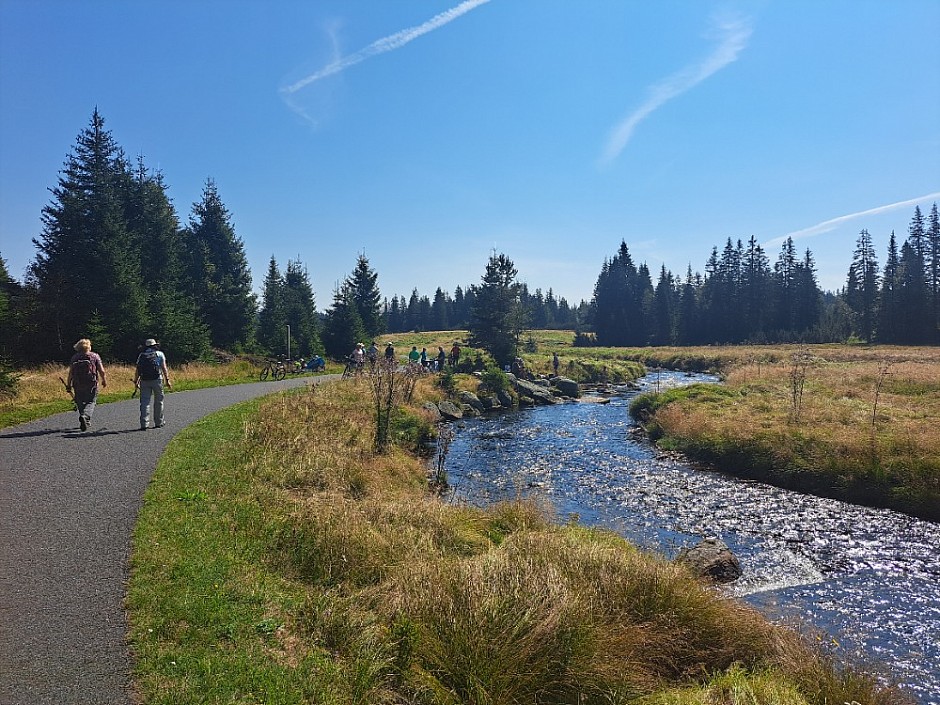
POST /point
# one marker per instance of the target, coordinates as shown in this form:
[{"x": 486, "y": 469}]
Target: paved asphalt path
[{"x": 68, "y": 504}]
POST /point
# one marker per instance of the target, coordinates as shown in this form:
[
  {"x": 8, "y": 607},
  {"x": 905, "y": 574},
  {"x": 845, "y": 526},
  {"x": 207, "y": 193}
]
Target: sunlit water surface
[{"x": 868, "y": 578}]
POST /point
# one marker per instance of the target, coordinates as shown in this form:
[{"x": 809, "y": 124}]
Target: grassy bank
[
  {"x": 278, "y": 560},
  {"x": 855, "y": 423}
]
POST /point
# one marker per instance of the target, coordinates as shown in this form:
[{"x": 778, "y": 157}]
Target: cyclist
[{"x": 372, "y": 354}]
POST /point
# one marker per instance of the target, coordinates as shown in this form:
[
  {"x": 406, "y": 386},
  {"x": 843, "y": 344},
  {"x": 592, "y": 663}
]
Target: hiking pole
[{"x": 68, "y": 390}]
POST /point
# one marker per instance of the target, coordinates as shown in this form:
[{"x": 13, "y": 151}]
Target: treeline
[
  {"x": 446, "y": 312},
  {"x": 114, "y": 264},
  {"x": 742, "y": 298}
]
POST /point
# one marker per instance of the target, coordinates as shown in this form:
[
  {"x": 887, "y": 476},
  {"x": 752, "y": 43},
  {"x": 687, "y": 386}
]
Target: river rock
[
  {"x": 711, "y": 559},
  {"x": 430, "y": 408},
  {"x": 489, "y": 403},
  {"x": 469, "y": 411},
  {"x": 538, "y": 394},
  {"x": 449, "y": 410},
  {"x": 505, "y": 398},
  {"x": 471, "y": 399},
  {"x": 567, "y": 387}
]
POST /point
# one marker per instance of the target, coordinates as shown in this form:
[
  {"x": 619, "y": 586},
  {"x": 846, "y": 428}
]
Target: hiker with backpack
[
  {"x": 149, "y": 377},
  {"x": 85, "y": 368}
]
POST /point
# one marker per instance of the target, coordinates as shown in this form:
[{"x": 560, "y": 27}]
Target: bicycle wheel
[
  {"x": 347, "y": 371},
  {"x": 280, "y": 373},
  {"x": 265, "y": 371}
]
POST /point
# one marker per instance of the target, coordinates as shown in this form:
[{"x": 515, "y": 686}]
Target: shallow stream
[{"x": 868, "y": 578}]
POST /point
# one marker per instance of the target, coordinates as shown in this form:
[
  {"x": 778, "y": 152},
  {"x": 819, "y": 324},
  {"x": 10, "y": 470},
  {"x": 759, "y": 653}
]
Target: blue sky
[{"x": 426, "y": 134}]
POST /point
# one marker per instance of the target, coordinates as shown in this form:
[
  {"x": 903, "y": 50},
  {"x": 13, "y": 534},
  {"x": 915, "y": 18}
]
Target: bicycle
[
  {"x": 353, "y": 368},
  {"x": 275, "y": 369}
]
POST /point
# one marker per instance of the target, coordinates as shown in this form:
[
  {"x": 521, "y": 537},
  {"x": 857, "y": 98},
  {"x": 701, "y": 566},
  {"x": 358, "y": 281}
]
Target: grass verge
[
  {"x": 41, "y": 390},
  {"x": 278, "y": 560}
]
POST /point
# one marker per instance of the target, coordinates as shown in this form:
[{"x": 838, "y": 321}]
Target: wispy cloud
[
  {"x": 833, "y": 223},
  {"x": 733, "y": 35},
  {"x": 384, "y": 45}
]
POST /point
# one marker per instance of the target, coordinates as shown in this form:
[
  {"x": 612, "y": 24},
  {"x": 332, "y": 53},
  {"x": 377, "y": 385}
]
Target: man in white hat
[{"x": 149, "y": 377}]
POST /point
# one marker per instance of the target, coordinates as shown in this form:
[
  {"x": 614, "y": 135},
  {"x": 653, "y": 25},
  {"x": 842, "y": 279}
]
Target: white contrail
[
  {"x": 833, "y": 223},
  {"x": 386, "y": 44},
  {"x": 734, "y": 35}
]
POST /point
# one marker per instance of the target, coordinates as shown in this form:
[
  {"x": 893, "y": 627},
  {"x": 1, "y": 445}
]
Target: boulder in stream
[
  {"x": 711, "y": 559},
  {"x": 450, "y": 411},
  {"x": 567, "y": 387}
]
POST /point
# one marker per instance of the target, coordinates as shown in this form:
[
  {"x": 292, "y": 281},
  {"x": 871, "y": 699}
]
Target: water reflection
[{"x": 869, "y": 577}]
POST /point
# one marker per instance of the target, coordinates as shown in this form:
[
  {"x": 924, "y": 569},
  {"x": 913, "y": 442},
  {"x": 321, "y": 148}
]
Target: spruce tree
[
  {"x": 497, "y": 319},
  {"x": 87, "y": 267},
  {"x": 219, "y": 278},
  {"x": 300, "y": 310},
  {"x": 363, "y": 285},
  {"x": 664, "y": 310},
  {"x": 272, "y": 318},
  {"x": 890, "y": 314},
  {"x": 173, "y": 317},
  {"x": 440, "y": 311},
  {"x": 755, "y": 290},
  {"x": 933, "y": 240},
  {"x": 342, "y": 327},
  {"x": 861, "y": 292}
]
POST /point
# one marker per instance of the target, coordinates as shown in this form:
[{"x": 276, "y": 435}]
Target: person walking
[
  {"x": 414, "y": 355},
  {"x": 149, "y": 377},
  {"x": 85, "y": 367},
  {"x": 555, "y": 363},
  {"x": 455, "y": 355},
  {"x": 390, "y": 353},
  {"x": 441, "y": 358}
]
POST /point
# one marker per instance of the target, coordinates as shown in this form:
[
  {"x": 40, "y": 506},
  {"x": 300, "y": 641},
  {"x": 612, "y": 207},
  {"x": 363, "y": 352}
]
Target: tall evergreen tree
[
  {"x": 220, "y": 281},
  {"x": 440, "y": 311},
  {"x": 497, "y": 319},
  {"x": 154, "y": 226},
  {"x": 912, "y": 296},
  {"x": 300, "y": 310},
  {"x": 87, "y": 268},
  {"x": 687, "y": 332},
  {"x": 617, "y": 306},
  {"x": 664, "y": 309},
  {"x": 890, "y": 313},
  {"x": 933, "y": 239},
  {"x": 363, "y": 285},
  {"x": 342, "y": 326},
  {"x": 785, "y": 283},
  {"x": 755, "y": 290},
  {"x": 272, "y": 318},
  {"x": 861, "y": 292},
  {"x": 806, "y": 296}
]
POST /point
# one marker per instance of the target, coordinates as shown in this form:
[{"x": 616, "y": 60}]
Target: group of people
[
  {"x": 437, "y": 362},
  {"x": 360, "y": 355},
  {"x": 150, "y": 376}
]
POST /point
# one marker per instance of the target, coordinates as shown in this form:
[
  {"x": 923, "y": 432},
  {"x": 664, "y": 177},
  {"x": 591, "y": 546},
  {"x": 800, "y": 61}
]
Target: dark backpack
[
  {"x": 148, "y": 365},
  {"x": 84, "y": 373}
]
